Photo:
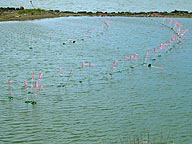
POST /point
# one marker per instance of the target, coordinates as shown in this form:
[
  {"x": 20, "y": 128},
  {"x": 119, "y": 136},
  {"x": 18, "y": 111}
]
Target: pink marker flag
[
  {"x": 82, "y": 64},
  {"x": 40, "y": 75},
  {"x": 25, "y": 84},
  {"x": 148, "y": 52},
  {"x": 171, "y": 21},
  {"x": 172, "y": 38},
  {"x": 115, "y": 62},
  {"x": 32, "y": 75},
  {"x": 161, "y": 46},
  {"x": 131, "y": 57},
  {"x": 90, "y": 64},
  {"x": 113, "y": 67},
  {"x": 155, "y": 50},
  {"x": 35, "y": 85},
  {"x": 9, "y": 82},
  {"x": 41, "y": 87},
  {"x": 135, "y": 56},
  {"x": 183, "y": 32},
  {"x": 178, "y": 25}
]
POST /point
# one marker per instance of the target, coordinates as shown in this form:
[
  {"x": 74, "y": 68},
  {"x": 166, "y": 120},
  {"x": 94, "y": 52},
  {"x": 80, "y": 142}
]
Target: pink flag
[
  {"x": 41, "y": 87},
  {"x": 9, "y": 82},
  {"x": 135, "y": 56},
  {"x": 178, "y": 25},
  {"x": 35, "y": 85},
  {"x": 32, "y": 75},
  {"x": 115, "y": 62},
  {"x": 113, "y": 67},
  {"x": 90, "y": 64},
  {"x": 148, "y": 52},
  {"x": 131, "y": 57},
  {"x": 171, "y": 21},
  {"x": 25, "y": 84},
  {"x": 82, "y": 64},
  {"x": 161, "y": 46},
  {"x": 155, "y": 50},
  {"x": 107, "y": 22},
  {"x": 40, "y": 75},
  {"x": 172, "y": 38}
]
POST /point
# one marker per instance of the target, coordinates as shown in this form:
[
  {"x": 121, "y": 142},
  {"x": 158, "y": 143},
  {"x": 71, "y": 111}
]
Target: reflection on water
[{"x": 91, "y": 94}]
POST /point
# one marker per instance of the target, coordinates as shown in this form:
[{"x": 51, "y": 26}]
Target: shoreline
[{"x": 21, "y": 14}]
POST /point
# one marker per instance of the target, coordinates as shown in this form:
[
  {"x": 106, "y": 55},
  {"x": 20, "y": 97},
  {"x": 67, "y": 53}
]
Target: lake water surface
[
  {"x": 96, "y": 104},
  {"x": 103, "y": 5}
]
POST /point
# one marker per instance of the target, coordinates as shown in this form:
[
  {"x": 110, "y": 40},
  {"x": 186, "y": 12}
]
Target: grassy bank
[{"x": 19, "y": 14}]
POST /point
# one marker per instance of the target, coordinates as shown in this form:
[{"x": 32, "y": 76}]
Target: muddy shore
[{"x": 20, "y": 14}]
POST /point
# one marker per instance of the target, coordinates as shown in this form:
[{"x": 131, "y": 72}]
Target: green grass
[{"x": 31, "y": 11}]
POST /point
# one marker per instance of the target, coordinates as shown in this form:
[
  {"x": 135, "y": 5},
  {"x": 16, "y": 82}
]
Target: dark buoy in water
[
  {"x": 63, "y": 43},
  {"x": 10, "y": 97},
  {"x": 149, "y": 65},
  {"x": 28, "y": 101},
  {"x": 33, "y": 102},
  {"x": 30, "y": 92},
  {"x": 80, "y": 81},
  {"x": 74, "y": 41},
  {"x": 59, "y": 86}
]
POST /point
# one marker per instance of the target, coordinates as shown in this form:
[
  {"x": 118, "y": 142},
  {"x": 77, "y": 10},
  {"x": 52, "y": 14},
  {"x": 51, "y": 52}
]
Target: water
[
  {"x": 94, "y": 107},
  {"x": 101, "y": 5}
]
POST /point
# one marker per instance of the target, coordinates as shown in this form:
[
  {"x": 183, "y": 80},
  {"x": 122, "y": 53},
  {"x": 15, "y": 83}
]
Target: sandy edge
[{"x": 21, "y": 14}]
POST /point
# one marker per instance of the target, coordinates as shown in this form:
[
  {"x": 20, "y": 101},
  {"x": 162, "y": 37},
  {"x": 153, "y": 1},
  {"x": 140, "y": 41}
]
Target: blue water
[
  {"x": 103, "y": 5},
  {"x": 96, "y": 104}
]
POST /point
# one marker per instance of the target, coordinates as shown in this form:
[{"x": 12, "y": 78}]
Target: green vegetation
[{"x": 30, "y": 11}]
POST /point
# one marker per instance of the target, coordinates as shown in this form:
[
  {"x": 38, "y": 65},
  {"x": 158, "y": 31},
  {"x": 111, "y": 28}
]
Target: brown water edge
[{"x": 21, "y": 14}]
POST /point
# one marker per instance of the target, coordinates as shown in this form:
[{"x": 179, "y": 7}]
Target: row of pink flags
[
  {"x": 135, "y": 59},
  {"x": 131, "y": 60}
]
